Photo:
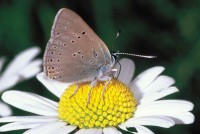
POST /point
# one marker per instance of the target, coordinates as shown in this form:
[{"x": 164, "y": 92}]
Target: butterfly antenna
[
  {"x": 117, "y": 35},
  {"x": 136, "y": 55}
]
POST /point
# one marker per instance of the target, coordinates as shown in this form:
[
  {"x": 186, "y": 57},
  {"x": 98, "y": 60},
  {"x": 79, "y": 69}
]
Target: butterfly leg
[
  {"x": 91, "y": 86},
  {"x": 104, "y": 89},
  {"x": 75, "y": 91},
  {"x": 108, "y": 79}
]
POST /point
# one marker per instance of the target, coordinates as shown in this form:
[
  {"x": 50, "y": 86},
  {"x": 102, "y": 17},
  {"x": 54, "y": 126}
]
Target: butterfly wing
[{"x": 74, "y": 52}]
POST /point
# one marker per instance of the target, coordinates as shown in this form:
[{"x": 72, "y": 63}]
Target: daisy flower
[
  {"x": 125, "y": 104},
  {"x": 21, "y": 68}
]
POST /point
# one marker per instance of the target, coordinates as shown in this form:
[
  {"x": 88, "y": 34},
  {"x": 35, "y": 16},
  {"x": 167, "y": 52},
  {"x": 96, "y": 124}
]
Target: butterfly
[{"x": 75, "y": 53}]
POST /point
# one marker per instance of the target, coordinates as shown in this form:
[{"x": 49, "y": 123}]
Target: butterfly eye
[{"x": 114, "y": 56}]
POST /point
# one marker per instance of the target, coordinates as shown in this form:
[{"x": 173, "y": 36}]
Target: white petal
[
  {"x": 30, "y": 102},
  {"x": 56, "y": 87},
  {"x": 149, "y": 97},
  {"x": 46, "y": 128},
  {"x": 111, "y": 130},
  {"x": 163, "y": 107},
  {"x": 29, "y": 119},
  {"x": 126, "y": 71},
  {"x": 31, "y": 70},
  {"x": 145, "y": 78},
  {"x": 183, "y": 118},
  {"x": 123, "y": 127},
  {"x": 17, "y": 126},
  {"x": 150, "y": 121},
  {"x": 4, "y": 110},
  {"x": 23, "y": 58},
  {"x": 2, "y": 60},
  {"x": 159, "y": 83},
  {"x": 143, "y": 130},
  {"x": 53, "y": 104},
  {"x": 90, "y": 131},
  {"x": 65, "y": 130},
  {"x": 8, "y": 82},
  {"x": 140, "y": 129}
]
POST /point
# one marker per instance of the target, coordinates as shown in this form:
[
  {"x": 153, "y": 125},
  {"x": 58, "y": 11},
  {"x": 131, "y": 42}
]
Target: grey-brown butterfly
[{"x": 75, "y": 53}]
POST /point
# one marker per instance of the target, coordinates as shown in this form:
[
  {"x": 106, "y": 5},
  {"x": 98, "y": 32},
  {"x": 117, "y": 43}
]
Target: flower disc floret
[{"x": 113, "y": 108}]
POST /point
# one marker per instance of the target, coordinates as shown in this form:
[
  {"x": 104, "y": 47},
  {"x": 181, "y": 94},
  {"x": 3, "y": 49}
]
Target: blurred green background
[{"x": 168, "y": 29}]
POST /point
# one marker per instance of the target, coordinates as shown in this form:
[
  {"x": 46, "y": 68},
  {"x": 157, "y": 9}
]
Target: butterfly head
[{"x": 114, "y": 56}]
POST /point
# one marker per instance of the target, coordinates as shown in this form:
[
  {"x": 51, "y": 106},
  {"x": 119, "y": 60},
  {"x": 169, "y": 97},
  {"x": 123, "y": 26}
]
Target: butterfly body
[{"x": 75, "y": 53}]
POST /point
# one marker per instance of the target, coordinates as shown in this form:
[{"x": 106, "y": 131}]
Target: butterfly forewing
[{"x": 74, "y": 52}]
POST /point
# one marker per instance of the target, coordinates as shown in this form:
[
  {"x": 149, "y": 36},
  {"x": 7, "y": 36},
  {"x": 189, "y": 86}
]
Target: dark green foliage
[{"x": 169, "y": 29}]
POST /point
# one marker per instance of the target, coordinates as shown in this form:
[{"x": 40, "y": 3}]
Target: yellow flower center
[{"x": 116, "y": 106}]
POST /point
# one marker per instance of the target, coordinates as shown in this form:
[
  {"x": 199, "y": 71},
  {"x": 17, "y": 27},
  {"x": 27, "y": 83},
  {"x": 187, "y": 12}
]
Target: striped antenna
[{"x": 136, "y": 55}]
